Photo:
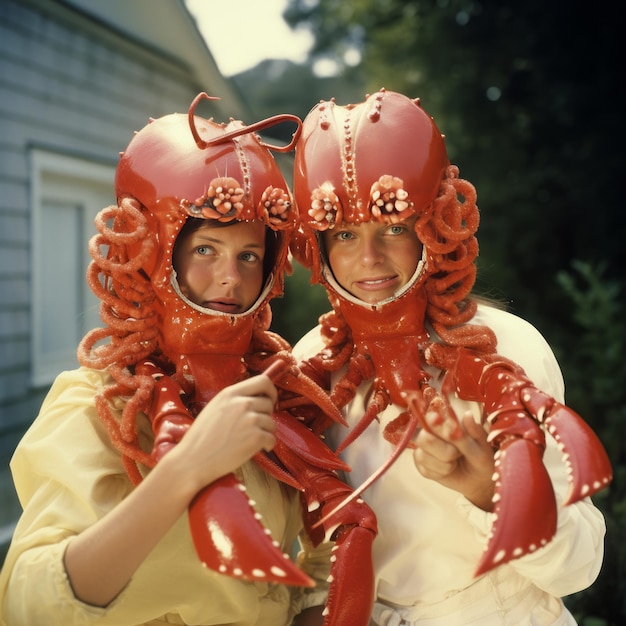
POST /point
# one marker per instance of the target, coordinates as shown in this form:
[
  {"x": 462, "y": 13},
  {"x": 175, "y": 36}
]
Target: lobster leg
[
  {"x": 351, "y": 591},
  {"x": 331, "y": 514},
  {"x": 351, "y": 524}
]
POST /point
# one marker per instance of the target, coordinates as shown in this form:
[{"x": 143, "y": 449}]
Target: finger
[
  {"x": 474, "y": 429},
  {"x": 264, "y": 422},
  {"x": 444, "y": 424},
  {"x": 430, "y": 446},
  {"x": 259, "y": 404},
  {"x": 269, "y": 441},
  {"x": 438, "y": 465},
  {"x": 474, "y": 445},
  {"x": 259, "y": 385},
  {"x": 275, "y": 371}
]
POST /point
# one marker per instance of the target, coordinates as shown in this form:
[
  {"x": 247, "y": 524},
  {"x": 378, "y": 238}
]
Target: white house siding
[{"x": 74, "y": 86}]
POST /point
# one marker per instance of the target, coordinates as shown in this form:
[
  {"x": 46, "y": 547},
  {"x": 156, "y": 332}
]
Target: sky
[{"x": 242, "y": 33}]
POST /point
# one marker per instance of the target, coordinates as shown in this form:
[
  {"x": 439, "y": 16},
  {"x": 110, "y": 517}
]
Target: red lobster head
[
  {"x": 184, "y": 165},
  {"x": 382, "y": 159}
]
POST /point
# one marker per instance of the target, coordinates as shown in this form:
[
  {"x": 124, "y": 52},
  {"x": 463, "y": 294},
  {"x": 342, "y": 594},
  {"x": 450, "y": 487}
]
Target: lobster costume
[
  {"x": 170, "y": 356},
  {"x": 424, "y": 349}
]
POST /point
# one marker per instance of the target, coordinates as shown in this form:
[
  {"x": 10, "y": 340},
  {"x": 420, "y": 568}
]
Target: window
[{"x": 67, "y": 193}]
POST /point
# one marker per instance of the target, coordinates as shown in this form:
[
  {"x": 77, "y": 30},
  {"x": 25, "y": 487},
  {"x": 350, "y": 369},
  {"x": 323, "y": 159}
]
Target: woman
[
  {"x": 387, "y": 226},
  {"x": 171, "y": 404}
]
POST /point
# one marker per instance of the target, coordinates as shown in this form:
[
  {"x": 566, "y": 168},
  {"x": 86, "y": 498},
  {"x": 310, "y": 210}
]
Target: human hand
[
  {"x": 457, "y": 455},
  {"x": 235, "y": 425}
]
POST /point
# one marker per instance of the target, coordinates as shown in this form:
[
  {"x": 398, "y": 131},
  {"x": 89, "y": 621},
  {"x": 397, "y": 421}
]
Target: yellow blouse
[{"x": 68, "y": 475}]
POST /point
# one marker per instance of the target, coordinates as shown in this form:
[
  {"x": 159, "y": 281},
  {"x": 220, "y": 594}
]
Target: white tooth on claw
[
  {"x": 237, "y": 571},
  {"x": 325, "y": 612},
  {"x": 499, "y": 556},
  {"x": 259, "y": 573},
  {"x": 277, "y": 571}
]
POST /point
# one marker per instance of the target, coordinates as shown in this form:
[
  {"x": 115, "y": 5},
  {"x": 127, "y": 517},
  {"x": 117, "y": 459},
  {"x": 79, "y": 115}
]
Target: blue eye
[
  {"x": 397, "y": 229},
  {"x": 344, "y": 235},
  {"x": 250, "y": 257}
]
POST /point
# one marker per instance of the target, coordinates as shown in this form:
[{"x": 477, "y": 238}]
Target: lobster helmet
[
  {"x": 380, "y": 160},
  {"x": 181, "y": 166}
]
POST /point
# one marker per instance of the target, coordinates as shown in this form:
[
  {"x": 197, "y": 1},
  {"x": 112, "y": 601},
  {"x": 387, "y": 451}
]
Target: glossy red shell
[
  {"x": 163, "y": 163},
  {"x": 349, "y": 148}
]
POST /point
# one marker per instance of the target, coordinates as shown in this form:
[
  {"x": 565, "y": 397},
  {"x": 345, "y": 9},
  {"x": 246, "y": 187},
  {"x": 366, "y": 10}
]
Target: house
[{"x": 77, "y": 77}]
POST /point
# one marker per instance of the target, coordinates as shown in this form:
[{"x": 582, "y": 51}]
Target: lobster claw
[
  {"x": 525, "y": 513},
  {"x": 352, "y": 525},
  {"x": 230, "y": 539},
  {"x": 226, "y": 529},
  {"x": 588, "y": 465},
  {"x": 350, "y": 603},
  {"x": 524, "y": 500}
]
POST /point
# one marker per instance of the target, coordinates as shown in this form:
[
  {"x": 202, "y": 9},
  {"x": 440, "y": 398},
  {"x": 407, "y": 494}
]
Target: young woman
[
  {"x": 470, "y": 531},
  {"x": 171, "y": 405}
]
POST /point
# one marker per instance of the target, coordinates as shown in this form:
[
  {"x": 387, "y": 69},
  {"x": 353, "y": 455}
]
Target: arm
[
  {"x": 556, "y": 568},
  {"x": 234, "y": 426}
]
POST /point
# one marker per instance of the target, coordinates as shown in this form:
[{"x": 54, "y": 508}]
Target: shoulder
[
  {"x": 309, "y": 345},
  {"x": 521, "y": 342},
  {"x": 68, "y": 415}
]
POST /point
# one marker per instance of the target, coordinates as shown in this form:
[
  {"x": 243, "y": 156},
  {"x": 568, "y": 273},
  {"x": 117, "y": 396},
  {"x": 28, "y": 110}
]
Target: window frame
[{"x": 75, "y": 183}]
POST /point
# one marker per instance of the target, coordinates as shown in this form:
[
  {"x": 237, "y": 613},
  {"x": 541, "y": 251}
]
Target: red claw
[
  {"x": 525, "y": 504},
  {"x": 348, "y": 603},
  {"x": 524, "y": 507},
  {"x": 587, "y": 461},
  {"x": 230, "y": 539}
]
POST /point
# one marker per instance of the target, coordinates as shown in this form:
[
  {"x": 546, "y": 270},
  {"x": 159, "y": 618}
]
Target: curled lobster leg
[
  {"x": 525, "y": 507},
  {"x": 227, "y": 533}
]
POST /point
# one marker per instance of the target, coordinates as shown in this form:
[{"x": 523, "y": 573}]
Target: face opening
[
  {"x": 372, "y": 263},
  {"x": 224, "y": 268}
]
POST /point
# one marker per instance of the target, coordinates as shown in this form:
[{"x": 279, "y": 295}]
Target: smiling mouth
[{"x": 376, "y": 282}]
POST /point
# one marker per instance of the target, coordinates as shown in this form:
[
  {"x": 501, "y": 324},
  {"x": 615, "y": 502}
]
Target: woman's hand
[
  {"x": 235, "y": 425},
  {"x": 457, "y": 455}
]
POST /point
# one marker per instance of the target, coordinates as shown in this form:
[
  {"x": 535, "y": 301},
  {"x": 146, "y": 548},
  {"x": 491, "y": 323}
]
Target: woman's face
[
  {"x": 372, "y": 260},
  {"x": 221, "y": 267}
]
